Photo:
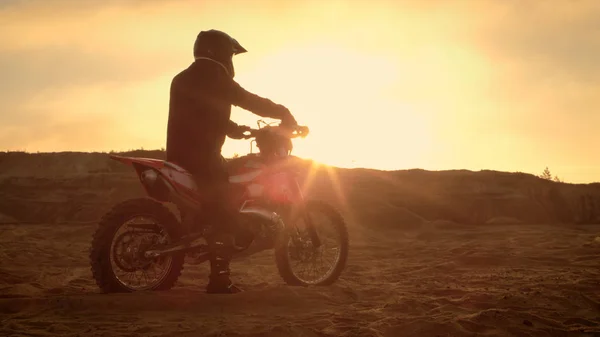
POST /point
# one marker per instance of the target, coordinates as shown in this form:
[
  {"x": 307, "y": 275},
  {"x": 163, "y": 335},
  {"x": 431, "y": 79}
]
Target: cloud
[
  {"x": 90, "y": 118},
  {"x": 501, "y": 80},
  {"x": 38, "y": 131},
  {"x": 46, "y": 103},
  {"x": 546, "y": 39},
  {"x": 62, "y": 79},
  {"x": 29, "y": 71},
  {"x": 546, "y": 74}
]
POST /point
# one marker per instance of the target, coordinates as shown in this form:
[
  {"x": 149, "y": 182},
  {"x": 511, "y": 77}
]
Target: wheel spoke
[
  {"x": 127, "y": 259},
  {"x": 308, "y": 263}
]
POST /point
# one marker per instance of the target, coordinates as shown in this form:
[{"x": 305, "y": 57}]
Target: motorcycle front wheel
[{"x": 302, "y": 263}]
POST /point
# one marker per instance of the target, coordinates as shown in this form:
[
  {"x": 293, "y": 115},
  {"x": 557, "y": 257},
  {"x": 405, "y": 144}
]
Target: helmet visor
[{"x": 237, "y": 47}]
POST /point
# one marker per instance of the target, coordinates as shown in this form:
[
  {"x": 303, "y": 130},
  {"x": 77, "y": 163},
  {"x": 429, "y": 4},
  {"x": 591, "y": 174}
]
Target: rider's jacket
[{"x": 200, "y": 103}]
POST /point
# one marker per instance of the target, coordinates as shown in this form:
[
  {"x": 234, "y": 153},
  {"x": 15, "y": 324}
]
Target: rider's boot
[{"x": 221, "y": 252}]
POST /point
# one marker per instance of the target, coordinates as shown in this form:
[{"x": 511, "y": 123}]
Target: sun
[{"x": 343, "y": 95}]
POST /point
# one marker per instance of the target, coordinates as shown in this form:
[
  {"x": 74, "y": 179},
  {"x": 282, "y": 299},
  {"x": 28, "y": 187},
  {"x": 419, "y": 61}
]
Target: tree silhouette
[{"x": 546, "y": 174}]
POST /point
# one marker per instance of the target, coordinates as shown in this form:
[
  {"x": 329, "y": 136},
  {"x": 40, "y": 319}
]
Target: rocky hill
[{"x": 80, "y": 187}]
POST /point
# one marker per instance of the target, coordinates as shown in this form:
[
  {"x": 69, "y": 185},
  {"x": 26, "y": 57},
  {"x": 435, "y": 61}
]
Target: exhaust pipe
[
  {"x": 275, "y": 223},
  {"x": 274, "y": 226}
]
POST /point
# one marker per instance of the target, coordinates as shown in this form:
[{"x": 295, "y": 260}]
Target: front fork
[{"x": 299, "y": 209}]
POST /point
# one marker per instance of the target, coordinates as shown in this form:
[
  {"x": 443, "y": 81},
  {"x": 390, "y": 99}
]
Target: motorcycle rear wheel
[{"x": 105, "y": 264}]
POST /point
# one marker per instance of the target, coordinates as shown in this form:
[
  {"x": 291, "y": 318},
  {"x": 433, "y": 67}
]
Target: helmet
[{"x": 217, "y": 46}]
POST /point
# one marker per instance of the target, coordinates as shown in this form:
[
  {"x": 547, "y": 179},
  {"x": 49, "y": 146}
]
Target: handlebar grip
[{"x": 303, "y": 130}]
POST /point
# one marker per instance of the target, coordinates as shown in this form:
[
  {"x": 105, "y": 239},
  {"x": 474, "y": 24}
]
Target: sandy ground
[{"x": 491, "y": 280}]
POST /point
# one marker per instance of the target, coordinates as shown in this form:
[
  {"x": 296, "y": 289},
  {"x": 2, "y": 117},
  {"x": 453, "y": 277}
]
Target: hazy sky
[{"x": 504, "y": 85}]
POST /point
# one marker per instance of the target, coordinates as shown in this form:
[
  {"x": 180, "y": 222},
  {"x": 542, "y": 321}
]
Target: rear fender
[
  {"x": 139, "y": 163},
  {"x": 156, "y": 163},
  {"x": 155, "y": 183},
  {"x": 148, "y": 171}
]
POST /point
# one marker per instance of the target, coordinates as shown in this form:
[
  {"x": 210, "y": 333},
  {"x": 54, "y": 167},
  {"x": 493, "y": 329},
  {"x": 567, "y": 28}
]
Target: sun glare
[
  {"x": 382, "y": 84},
  {"x": 341, "y": 95}
]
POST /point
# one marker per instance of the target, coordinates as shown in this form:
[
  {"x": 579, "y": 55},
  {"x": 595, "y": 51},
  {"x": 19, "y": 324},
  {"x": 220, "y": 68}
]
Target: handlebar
[{"x": 298, "y": 131}]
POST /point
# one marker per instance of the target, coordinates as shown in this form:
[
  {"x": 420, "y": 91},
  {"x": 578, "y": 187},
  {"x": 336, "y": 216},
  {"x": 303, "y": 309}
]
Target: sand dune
[
  {"x": 451, "y": 253},
  {"x": 523, "y": 280}
]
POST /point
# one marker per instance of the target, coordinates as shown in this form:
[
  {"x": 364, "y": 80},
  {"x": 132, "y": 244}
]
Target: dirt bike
[{"x": 140, "y": 244}]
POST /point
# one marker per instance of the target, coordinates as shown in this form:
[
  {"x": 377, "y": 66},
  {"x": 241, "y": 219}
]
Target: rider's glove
[{"x": 287, "y": 119}]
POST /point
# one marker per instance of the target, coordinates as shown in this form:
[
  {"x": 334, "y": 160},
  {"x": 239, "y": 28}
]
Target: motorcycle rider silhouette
[{"x": 200, "y": 103}]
